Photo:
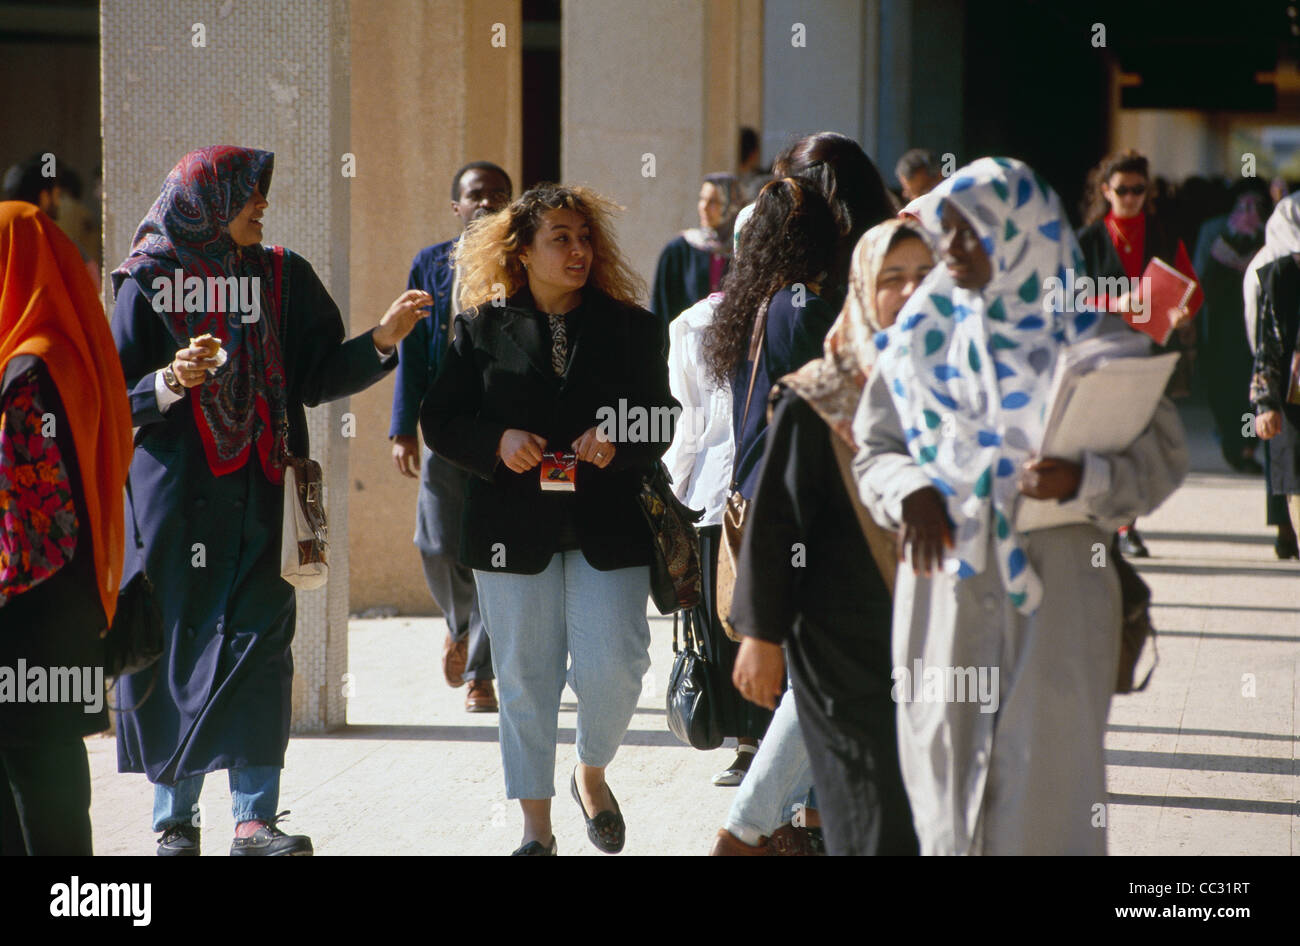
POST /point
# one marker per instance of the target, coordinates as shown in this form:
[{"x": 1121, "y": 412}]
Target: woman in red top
[{"x": 1119, "y": 238}]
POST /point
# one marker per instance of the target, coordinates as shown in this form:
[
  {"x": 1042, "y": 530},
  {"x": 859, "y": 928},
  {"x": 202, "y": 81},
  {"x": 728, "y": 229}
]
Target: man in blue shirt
[{"x": 478, "y": 188}]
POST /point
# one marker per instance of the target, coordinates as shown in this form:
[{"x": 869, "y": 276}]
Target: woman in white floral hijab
[{"x": 1005, "y": 645}]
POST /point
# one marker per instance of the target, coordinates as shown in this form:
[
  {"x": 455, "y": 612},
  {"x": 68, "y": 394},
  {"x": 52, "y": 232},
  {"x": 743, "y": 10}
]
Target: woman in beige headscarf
[{"x": 816, "y": 573}]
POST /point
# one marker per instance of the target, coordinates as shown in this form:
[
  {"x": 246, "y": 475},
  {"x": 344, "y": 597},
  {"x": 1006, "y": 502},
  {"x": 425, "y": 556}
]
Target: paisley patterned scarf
[
  {"x": 969, "y": 370},
  {"x": 243, "y": 405}
]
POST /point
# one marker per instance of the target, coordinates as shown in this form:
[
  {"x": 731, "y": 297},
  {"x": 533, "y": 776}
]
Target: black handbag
[
  {"x": 1136, "y": 628},
  {"x": 692, "y": 707},
  {"x": 676, "y": 580},
  {"x": 134, "y": 641}
]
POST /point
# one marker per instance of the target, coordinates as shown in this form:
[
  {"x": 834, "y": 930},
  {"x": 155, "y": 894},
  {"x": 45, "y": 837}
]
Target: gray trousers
[{"x": 437, "y": 536}]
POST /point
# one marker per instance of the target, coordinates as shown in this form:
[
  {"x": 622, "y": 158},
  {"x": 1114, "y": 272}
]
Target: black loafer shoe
[
  {"x": 607, "y": 830},
  {"x": 535, "y": 849},
  {"x": 270, "y": 841},
  {"x": 180, "y": 840}
]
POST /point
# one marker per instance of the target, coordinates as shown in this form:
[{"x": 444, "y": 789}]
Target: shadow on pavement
[
  {"x": 1198, "y": 762},
  {"x": 1227, "y": 734},
  {"x": 1208, "y": 804},
  {"x": 396, "y": 733}
]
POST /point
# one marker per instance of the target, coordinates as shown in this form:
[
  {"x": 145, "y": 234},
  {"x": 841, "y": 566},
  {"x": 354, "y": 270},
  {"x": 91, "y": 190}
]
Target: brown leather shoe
[
  {"x": 455, "y": 654},
  {"x": 481, "y": 698},
  {"x": 727, "y": 844}
]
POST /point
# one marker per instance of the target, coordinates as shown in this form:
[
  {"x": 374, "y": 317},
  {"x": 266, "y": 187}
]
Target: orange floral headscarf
[{"x": 49, "y": 309}]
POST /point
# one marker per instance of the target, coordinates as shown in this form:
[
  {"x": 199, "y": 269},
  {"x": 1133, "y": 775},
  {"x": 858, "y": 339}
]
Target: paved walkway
[{"x": 1204, "y": 762}]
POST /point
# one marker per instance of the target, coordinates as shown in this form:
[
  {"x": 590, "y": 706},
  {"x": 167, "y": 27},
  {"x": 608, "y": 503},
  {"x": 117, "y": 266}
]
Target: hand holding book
[{"x": 1051, "y": 478}]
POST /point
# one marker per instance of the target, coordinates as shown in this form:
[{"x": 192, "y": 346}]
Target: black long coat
[
  {"x": 498, "y": 375},
  {"x": 56, "y": 623},
  {"x": 223, "y": 700}
]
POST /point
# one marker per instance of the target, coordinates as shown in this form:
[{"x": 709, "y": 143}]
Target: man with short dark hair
[
  {"x": 478, "y": 188},
  {"x": 35, "y": 181},
  {"x": 918, "y": 173}
]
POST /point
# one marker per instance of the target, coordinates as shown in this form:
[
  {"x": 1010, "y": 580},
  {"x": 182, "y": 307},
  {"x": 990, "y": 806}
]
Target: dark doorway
[{"x": 541, "y": 78}]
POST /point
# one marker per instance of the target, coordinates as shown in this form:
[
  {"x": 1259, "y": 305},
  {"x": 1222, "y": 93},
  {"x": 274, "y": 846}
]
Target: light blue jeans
[
  {"x": 572, "y": 614},
  {"x": 254, "y": 794},
  {"x": 779, "y": 777}
]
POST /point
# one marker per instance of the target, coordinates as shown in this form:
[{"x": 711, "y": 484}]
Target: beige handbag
[
  {"x": 304, "y": 542},
  {"x": 733, "y": 517}
]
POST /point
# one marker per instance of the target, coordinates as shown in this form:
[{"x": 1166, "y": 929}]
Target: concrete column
[
  {"x": 733, "y": 95},
  {"x": 633, "y": 101},
  {"x": 271, "y": 76},
  {"x": 885, "y": 72},
  {"x": 430, "y": 91},
  {"x": 813, "y": 76}
]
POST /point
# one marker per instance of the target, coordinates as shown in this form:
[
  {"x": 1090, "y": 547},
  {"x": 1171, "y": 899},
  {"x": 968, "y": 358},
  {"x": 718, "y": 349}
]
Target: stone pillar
[
  {"x": 734, "y": 89},
  {"x": 435, "y": 84},
  {"x": 812, "y": 70},
  {"x": 182, "y": 74},
  {"x": 633, "y": 102}
]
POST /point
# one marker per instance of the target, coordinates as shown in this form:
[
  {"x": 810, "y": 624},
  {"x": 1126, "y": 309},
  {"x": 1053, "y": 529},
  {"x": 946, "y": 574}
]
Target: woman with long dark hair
[
  {"x": 786, "y": 248},
  {"x": 857, "y": 198},
  {"x": 554, "y": 340},
  {"x": 853, "y": 187}
]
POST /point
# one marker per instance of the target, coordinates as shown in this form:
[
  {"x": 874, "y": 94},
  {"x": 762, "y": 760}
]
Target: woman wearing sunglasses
[{"x": 1119, "y": 238}]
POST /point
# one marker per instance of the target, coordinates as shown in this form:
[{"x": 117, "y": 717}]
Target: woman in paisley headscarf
[
  {"x": 831, "y": 609},
  {"x": 1005, "y": 644},
  {"x": 207, "y": 481}
]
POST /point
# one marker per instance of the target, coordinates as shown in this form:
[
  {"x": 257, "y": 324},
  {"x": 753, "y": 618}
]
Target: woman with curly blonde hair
[
  {"x": 490, "y": 254},
  {"x": 553, "y": 349}
]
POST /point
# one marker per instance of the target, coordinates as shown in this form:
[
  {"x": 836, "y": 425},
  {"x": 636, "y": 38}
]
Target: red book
[{"x": 1164, "y": 291}]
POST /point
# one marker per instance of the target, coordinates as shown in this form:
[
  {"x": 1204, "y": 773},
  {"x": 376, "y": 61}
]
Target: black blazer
[{"x": 497, "y": 375}]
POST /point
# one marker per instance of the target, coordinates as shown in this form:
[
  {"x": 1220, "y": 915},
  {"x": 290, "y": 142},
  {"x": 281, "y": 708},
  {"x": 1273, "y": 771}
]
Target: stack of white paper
[{"x": 1103, "y": 395}]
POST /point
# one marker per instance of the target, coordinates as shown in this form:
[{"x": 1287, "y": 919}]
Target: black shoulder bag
[
  {"x": 676, "y": 580},
  {"x": 692, "y": 705}
]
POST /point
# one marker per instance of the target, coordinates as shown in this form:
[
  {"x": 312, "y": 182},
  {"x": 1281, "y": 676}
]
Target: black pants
[
  {"x": 438, "y": 523},
  {"x": 45, "y": 799},
  {"x": 854, "y": 760}
]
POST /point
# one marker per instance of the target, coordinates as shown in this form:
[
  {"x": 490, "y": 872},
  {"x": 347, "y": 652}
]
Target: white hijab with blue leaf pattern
[{"x": 970, "y": 370}]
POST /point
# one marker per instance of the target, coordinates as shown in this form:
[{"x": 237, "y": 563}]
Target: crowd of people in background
[{"x": 865, "y": 373}]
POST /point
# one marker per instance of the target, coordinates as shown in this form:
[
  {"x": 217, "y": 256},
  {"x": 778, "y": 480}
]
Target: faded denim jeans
[
  {"x": 569, "y": 614},
  {"x": 779, "y": 777}
]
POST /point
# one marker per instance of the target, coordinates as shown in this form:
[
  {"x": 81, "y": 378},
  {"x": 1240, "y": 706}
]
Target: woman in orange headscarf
[{"x": 65, "y": 446}]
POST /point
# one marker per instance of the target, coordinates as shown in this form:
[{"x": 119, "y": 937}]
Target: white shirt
[{"x": 701, "y": 455}]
